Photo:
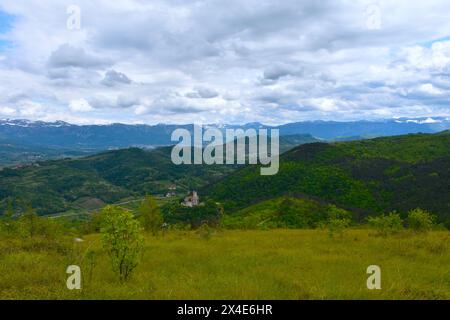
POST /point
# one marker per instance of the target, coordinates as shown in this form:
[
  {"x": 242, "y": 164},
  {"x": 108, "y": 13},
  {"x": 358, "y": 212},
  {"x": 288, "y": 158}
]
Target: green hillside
[
  {"x": 281, "y": 212},
  {"x": 59, "y": 185},
  {"x": 369, "y": 176}
]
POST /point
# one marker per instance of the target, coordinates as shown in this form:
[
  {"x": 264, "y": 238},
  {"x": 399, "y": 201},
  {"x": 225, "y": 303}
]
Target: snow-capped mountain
[{"x": 61, "y": 134}]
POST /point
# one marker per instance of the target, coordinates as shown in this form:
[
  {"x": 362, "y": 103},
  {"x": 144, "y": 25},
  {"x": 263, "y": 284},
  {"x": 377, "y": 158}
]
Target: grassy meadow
[{"x": 235, "y": 264}]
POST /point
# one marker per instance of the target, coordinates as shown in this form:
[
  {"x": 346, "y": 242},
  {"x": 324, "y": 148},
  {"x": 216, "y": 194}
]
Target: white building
[{"x": 191, "y": 200}]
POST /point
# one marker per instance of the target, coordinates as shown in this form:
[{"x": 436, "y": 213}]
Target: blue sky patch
[
  {"x": 6, "y": 21},
  {"x": 428, "y": 44}
]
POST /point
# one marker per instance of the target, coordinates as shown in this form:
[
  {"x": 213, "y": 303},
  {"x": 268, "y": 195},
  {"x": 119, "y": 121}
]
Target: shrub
[
  {"x": 150, "y": 215},
  {"x": 122, "y": 238},
  {"x": 92, "y": 223},
  {"x": 338, "y": 220},
  {"x": 28, "y": 222},
  {"x": 334, "y": 212},
  {"x": 336, "y": 227},
  {"x": 386, "y": 224},
  {"x": 7, "y": 224},
  {"x": 420, "y": 220},
  {"x": 205, "y": 231}
]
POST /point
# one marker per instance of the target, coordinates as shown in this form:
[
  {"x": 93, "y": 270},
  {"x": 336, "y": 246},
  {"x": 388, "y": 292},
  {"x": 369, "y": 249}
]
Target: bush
[
  {"x": 7, "y": 224},
  {"x": 334, "y": 212},
  {"x": 205, "y": 231},
  {"x": 386, "y": 224},
  {"x": 420, "y": 220},
  {"x": 336, "y": 227},
  {"x": 338, "y": 220},
  {"x": 28, "y": 222},
  {"x": 92, "y": 224},
  {"x": 150, "y": 215},
  {"x": 122, "y": 238}
]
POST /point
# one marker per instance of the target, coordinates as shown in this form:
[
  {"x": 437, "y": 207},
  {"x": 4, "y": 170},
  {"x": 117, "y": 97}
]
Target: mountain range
[{"x": 103, "y": 137}]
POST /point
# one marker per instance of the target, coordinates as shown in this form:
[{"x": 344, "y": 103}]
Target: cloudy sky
[{"x": 180, "y": 61}]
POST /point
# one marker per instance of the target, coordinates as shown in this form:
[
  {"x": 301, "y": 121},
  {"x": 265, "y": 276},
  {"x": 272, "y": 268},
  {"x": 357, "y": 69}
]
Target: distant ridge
[{"x": 61, "y": 134}]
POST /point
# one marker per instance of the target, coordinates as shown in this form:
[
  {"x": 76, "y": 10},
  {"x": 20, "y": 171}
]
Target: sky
[{"x": 234, "y": 61}]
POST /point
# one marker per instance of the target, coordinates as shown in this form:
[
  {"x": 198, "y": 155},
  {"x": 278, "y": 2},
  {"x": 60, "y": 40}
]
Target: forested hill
[
  {"x": 59, "y": 185},
  {"x": 382, "y": 174}
]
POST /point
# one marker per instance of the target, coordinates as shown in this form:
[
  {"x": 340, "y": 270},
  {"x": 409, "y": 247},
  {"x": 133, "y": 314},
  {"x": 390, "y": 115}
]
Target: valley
[{"x": 309, "y": 232}]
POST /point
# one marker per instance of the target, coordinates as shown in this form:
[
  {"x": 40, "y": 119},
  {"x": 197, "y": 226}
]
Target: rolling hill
[
  {"x": 58, "y": 185},
  {"x": 368, "y": 176}
]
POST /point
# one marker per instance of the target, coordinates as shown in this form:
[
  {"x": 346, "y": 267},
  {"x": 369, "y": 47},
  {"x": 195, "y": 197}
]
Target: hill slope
[
  {"x": 55, "y": 186},
  {"x": 58, "y": 185},
  {"x": 377, "y": 175}
]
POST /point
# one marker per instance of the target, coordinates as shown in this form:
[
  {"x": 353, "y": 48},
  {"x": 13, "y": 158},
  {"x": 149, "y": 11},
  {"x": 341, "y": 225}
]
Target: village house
[{"x": 172, "y": 191}]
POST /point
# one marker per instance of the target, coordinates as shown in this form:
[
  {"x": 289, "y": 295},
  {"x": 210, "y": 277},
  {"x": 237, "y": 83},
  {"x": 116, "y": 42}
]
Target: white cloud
[
  {"x": 430, "y": 89},
  {"x": 7, "y": 111},
  {"x": 80, "y": 105},
  {"x": 31, "y": 109}
]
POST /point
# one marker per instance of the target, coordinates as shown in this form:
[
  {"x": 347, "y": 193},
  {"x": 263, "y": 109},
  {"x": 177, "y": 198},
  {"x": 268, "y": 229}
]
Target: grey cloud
[
  {"x": 69, "y": 56},
  {"x": 278, "y": 71},
  {"x": 202, "y": 93},
  {"x": 127, "y": 101},
  {"x": 17, "y": 97},
  {"x": 101, "y": 103},
  {"x": 170, "y": 102},
  {"x": 184, "y": 109},
  {"x": 113, "y": 77},
  {"x": 122, "y": 101}
]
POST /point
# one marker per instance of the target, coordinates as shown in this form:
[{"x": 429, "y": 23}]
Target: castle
[{"x": 191, "y": 200}]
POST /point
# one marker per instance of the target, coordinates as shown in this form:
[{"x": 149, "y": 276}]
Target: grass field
[{"x": 275, "y": 264}]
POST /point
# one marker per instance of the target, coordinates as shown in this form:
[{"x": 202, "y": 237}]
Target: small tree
[
  {"x": 420, "y": 220},
  {"x": 122, "y": 238},
  {"x": 9, "y": 213},
  {"x": 150, "y": 215},
  {"x": 386, "y": 224},
  {"x": 29, "y": 221},
  {"x": 8, "y": 224},
  {"x": 338, "y": 220}
]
